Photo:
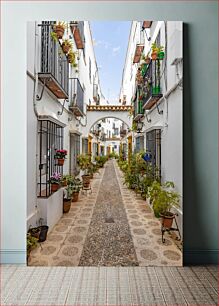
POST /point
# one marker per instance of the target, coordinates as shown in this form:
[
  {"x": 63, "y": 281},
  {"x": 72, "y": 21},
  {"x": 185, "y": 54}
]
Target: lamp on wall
[{"x": 140, "y": 125}]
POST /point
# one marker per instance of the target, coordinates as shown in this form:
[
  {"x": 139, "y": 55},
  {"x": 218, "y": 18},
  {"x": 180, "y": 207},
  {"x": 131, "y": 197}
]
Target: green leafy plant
[
  {"x": 83, "y": 161},
  {"x": 154, "y": 47},
  {"x": 32, "y": 243},
  {"x": 163, "y": 198},
  {"x": 101, "y": 160}
]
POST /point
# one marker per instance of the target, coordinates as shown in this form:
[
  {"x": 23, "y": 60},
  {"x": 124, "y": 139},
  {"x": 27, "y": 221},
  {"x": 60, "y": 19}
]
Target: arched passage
[{"x": 97, "y": 113}]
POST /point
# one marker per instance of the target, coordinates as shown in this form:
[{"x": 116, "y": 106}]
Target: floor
[
  {"x": 101, "y": 286},
  {"x": 112, "y": 226}
]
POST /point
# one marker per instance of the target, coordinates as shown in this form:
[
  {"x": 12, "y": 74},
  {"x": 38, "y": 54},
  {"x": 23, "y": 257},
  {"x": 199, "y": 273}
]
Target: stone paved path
[{"x": 110, "y": 227}]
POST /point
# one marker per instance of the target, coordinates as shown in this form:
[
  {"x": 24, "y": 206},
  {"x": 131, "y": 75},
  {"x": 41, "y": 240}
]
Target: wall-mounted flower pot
[
  {"x": 154, "y": 56},
  {"x": 61, "y": 161},
  {"x": 161, "y": 55},
  {"x": 59, "y": 31},
  {"x": 65, "y": 48},
  {"x": 147, "y": 60},
  {"x": 66, "y": 205},
  {"x": 54, "y": 187},
  {"x": 75, "y": 196}
]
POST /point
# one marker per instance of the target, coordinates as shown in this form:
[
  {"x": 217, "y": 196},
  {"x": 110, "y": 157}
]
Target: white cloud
[
  {"x": 101, "y": 43},
  {"x": 116, "y": 50}
]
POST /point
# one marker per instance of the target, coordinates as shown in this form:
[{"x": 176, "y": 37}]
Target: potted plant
[
  {"x": 154, "y": 51},
  {"x": 164, "y": 198},
  {"x": 66, "y": 46},
  {"x": 72, "y": 58},
  {"x": 67, "y": 198},
  {"x": 55, "y": 181},
  {"x": 60, "y": 155},
  {"x": 32, "y": 243},
  {"x": 39, "y": 232},
  {"x": 59, "y": 29},
  {"x": 83, "y": 161},
  {"x": 66, "y": 179},
  {"x": 160, "y": 52},
  {"x": 76, "y": 185}
]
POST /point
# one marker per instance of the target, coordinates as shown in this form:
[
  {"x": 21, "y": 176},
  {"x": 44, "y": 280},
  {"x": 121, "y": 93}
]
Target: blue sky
[{"x": 110, "y": 45}]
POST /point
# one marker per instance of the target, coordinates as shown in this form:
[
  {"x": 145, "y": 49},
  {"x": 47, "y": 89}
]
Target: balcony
[
  {"x": 54, "y": 70},
  {"x": 152, "y": 83},
  {"x": 77, "y": 28},
  {"x": 138, "y": 52},
  {"x": 76, "y": 97}
]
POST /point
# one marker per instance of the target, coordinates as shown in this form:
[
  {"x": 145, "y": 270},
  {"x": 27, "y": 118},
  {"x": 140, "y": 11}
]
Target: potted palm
[
  {"x": 83, "y": 161},
  {"x": 55, "y": 180},
  {"x": 60, "y": 155},
  {"x": 164, "y": 199}
]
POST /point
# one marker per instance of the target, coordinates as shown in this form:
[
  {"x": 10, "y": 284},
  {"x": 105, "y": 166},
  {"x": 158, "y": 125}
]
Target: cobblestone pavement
[{"x": 112, "y": 226}]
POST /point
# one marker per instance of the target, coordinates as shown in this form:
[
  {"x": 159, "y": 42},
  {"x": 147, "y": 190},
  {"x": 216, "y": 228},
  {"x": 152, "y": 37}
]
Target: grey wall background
[{"x": 200, "y": 112}]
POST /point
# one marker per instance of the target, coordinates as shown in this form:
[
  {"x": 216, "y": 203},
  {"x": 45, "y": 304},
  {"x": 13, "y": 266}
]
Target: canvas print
[{"x": 104, "y": 103}]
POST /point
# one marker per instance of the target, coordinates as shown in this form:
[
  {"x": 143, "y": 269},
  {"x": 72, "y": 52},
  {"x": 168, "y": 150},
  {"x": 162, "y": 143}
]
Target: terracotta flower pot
[
  {"x": 75, "y": 196},
  {"x": 154, "y": 56},
  {"x": 61, "y": 161},
  {"x": 86, "y": 179},
  {"x": 147, "y": 60},
  {"x": 59, "y": 31},
  {"x": 65, "y": 48},
  {"x": 66, "y": 205},
  {"x": 167, "y": 220},
  {"x": 54, "y": 187}
]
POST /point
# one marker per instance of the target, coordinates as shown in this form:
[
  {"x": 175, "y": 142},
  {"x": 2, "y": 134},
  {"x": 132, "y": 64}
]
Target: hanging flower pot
[
  {"x": 59, "y": 30},
  {"x": 75, "y": 196},
  {"x": 66, "y": 205},
  {"x": 161, "y": 55},
  {"x": 154, "y": 55},
  {"x": 61, "y": 161},
  {"x": 54, "y": 187},
  {"x": 65, "y": 48},
  {"x": 147, "y": 60}
]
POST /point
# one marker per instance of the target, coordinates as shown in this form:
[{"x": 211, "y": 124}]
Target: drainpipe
[{"x": 35, "y": 109}]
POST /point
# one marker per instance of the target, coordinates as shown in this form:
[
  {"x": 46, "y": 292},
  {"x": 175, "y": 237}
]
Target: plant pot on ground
[
  {"x": 86, "y": 180},
  {"x": 163, "y": 199},
  {"x": 84, "y": 161},
  {"x": 32, "y": 243},
  {"x": 67, "y": 197},
  {"x": 39, "y": 232},
  {"x": 75, "y": 186}
]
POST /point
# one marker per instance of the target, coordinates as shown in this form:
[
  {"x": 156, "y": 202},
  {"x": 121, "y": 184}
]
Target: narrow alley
[{"x": 112, "y": 226}]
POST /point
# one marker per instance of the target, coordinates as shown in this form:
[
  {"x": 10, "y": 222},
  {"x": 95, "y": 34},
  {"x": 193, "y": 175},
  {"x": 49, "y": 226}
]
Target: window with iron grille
[
  {"x": 74, "y": 152},
  {"x": 50, "y": 135},
  {"x": 153, "y": 146}
]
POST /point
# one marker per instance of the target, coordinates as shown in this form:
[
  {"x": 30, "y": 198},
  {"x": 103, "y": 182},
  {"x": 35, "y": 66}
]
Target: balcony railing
[
  {"x": 54, "y": 70},
  {"x": 152, "y": 84},
  {"x": 77, "y": 28},
  {"x": 76, "y": 97},
  {"x": 138, "y": 104}
]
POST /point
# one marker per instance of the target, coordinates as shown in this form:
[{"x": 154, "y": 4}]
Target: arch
[{"x": 96, "y": 115}]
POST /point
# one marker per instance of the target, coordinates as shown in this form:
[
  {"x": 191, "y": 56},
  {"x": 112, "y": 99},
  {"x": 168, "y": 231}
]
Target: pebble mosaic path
[{"x": 112, "y": 226}]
